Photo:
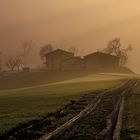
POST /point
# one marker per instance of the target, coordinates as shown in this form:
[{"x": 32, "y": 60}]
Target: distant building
[
  {"x": 100, "y": 61},
  {"x": 97, "y": 61},
  {"x": 74, "y": 63},
  {"x": 55, "y": 59}
]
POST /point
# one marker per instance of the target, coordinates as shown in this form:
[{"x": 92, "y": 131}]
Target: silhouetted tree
[
  {"x": 46, "y": 49},
  {"x": 124, "y": 55},
  {"x": 114, "y": 48},
  {"x": 11, "y": 63},
  {"x": 18, "y": 62},
  {"x": 14, "y": 62}
]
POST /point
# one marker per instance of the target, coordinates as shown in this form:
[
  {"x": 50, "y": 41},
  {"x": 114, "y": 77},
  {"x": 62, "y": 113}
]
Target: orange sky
[{"x": 87, "y": 24}]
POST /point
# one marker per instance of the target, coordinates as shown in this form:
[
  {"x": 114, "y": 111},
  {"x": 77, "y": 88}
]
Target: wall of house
[
  {"x": 101, "y": 62},
  {"x": 54, "y": 62},
  {"x": 61, "y": 60},
  {"x": 73, "y": 64}
]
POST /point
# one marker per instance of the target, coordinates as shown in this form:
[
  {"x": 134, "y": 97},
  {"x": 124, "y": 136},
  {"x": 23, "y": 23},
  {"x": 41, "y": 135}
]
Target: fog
[{"x": 86, "y": 24}]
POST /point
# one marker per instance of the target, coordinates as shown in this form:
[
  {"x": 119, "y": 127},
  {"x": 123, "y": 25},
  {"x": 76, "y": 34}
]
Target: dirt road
[
  {"x": 96, "y": 115},
  {"x": 101, "y": 119}
]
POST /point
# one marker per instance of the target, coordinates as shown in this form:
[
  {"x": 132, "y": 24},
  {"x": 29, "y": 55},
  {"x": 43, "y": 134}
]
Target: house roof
[
  {"x": 100, "y": 54},
  {"x": 60, "y": 51}
]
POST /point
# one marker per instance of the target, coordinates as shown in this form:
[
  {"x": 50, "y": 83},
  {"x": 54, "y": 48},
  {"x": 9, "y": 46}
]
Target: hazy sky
[{"x": 87, "y": 24}]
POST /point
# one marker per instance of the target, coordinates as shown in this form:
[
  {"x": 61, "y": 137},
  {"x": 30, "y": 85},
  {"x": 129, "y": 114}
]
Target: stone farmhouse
[{"x": 64, "y": 60}]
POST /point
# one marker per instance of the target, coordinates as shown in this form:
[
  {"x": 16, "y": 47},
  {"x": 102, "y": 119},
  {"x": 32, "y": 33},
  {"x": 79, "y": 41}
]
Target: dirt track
[
  {"x": 104, "y": 109},
  {"x": 96, "y": 116}
]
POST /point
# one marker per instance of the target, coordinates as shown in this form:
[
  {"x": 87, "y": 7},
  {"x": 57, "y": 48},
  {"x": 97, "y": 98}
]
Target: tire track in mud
[
  {"x": 93, "y": 116},
  {"x": 99, "y": 120}
]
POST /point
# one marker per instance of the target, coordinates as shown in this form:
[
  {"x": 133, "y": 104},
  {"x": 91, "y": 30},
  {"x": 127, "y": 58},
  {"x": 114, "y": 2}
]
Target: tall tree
[
  {"x": 124, "y": 54},
  {"x": 18, "y": 62},
  {"x": 14, "y": 62},
  {"x": 11, "y": 63},
  {"x": 45, "y": 49},
  {"x": 114, "y": 47}
]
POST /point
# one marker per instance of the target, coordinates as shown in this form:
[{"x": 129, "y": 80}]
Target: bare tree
[
  {"x": 114, "y": 48},
  {"x": 27, "y": 46},
  {"x": 129, "y": 48},
  {"x": 14, "y": 62},
  {"x": 124, "y": 55},
  {"x": 18, "y": 62},
  {"x": 11, "y": 63},
  {"x": 46, "y": 49},
  {"x": 73, "y": 50}
]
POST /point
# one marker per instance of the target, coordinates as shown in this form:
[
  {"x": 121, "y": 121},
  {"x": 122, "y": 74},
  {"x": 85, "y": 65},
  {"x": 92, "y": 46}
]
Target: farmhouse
[
  {"x": 64, "y": 60},
  {"x": 100, "y": 60},
  {"x": 74, "y": 63},
  {"x": 55, "y": 59}
]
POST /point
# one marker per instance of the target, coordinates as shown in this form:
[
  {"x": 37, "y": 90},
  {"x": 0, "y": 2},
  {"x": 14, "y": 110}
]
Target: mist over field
[
  {"x": 88, "y": 25},
  {"x": 69, "y": 64}
]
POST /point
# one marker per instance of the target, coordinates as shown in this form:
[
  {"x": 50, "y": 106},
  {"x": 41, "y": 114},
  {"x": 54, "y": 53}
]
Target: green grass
[
  {"x": 95, "y": 77},
  {"x": 12, "y": 80},
  {"x": 19, "y": 104}
]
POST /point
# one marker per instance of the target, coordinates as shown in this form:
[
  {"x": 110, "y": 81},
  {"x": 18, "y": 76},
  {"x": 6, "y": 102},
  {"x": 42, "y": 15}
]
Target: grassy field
[
  {"x": 16, "y": 80},
  {"x": 12, "y": 80},
  {"x": 22, "y": 104},
  {"x": 133, "y": 106},
  {"x": 95, "y": 78}
]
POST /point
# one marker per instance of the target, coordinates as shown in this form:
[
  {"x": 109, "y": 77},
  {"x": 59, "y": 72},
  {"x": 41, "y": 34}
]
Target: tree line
[
  {"x": 114, "y": 47},
  {"x": 16, "y": 62}
]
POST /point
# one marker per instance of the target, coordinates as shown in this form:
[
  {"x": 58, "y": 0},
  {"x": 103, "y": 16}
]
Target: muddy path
[
  {"x": 97, "y": 115},
  {"x": 100, "y": 120}
]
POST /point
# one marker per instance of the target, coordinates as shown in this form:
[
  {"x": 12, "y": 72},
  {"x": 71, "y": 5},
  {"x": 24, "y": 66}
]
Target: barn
[
  {"x": 55, "y": 59},
  {"x": 100, "y": 60},
  {"x": 74, "y": 63}
]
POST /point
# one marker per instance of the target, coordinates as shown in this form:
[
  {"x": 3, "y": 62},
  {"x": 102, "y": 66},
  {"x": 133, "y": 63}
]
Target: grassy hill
[
  {"x": 25, "y": 103},
  {"x": 12, "y": 80},
  {"x": 26, "y": 96}
]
